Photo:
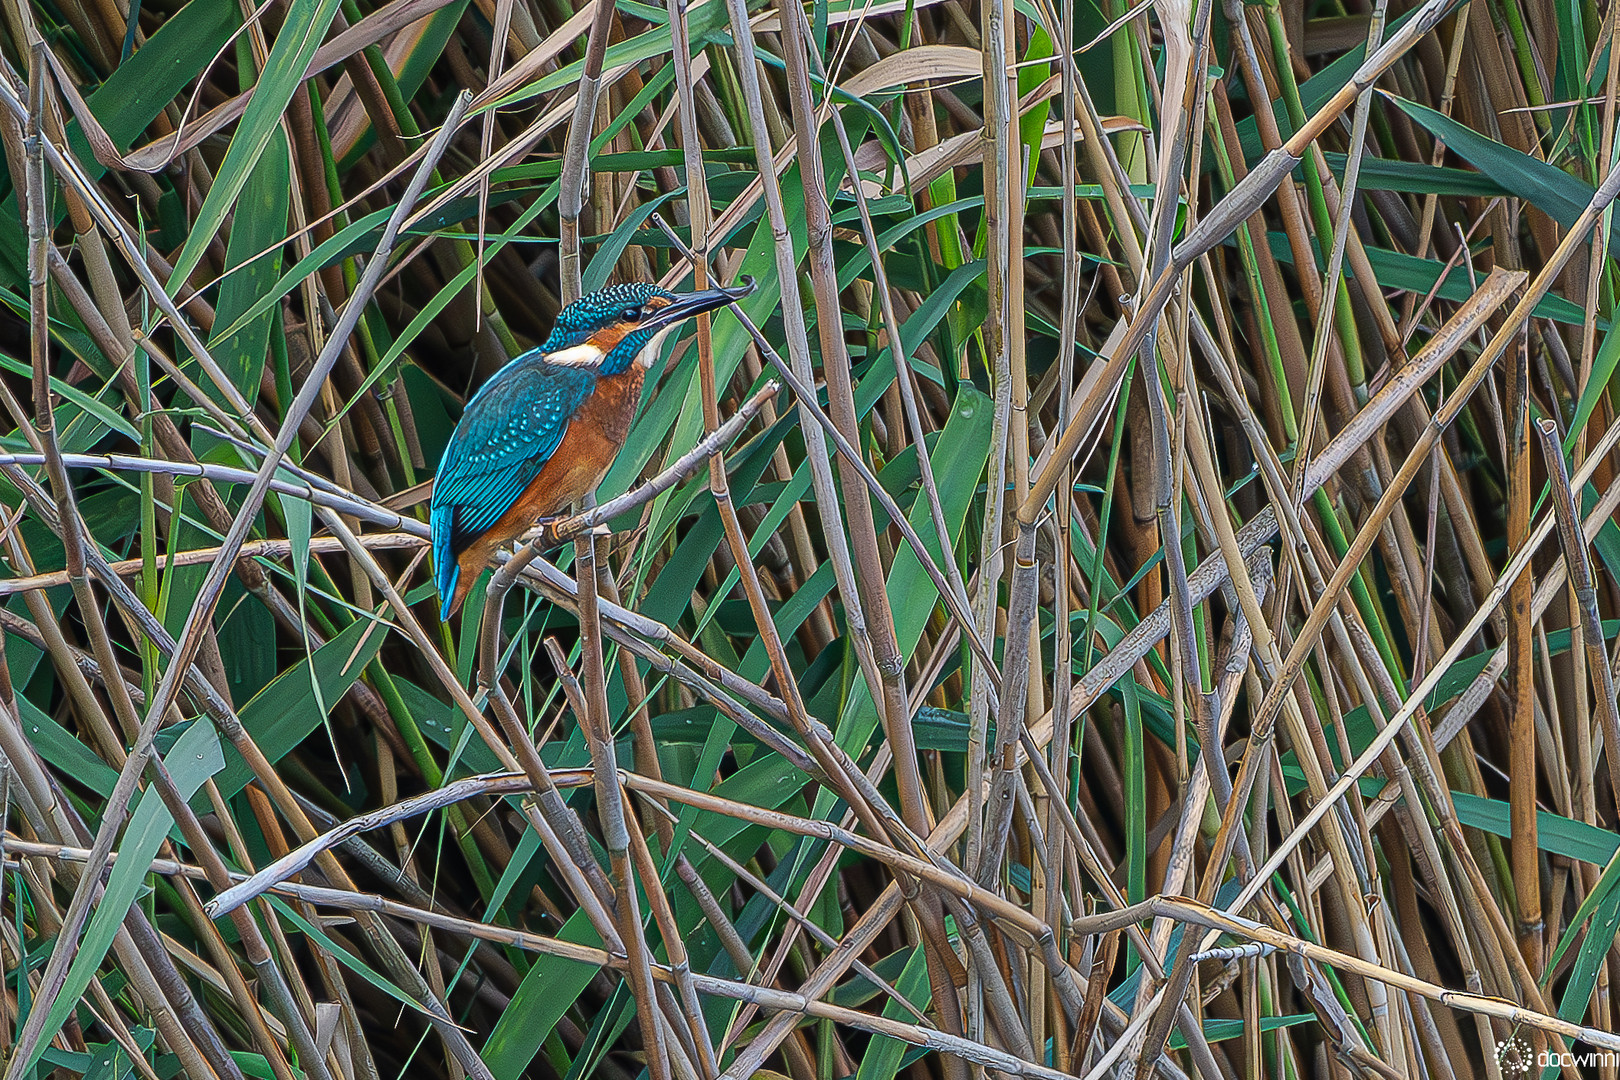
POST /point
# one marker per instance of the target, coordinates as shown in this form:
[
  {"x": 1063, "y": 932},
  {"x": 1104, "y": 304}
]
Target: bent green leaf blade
[{"x": 301, "y": 34}]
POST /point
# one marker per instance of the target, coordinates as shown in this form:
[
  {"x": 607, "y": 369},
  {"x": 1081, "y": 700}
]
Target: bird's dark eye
[{"x": 632, "y": 314}]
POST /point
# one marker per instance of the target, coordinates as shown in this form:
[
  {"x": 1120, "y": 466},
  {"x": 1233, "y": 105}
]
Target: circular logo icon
[{"x": 1514, "y": 1057}]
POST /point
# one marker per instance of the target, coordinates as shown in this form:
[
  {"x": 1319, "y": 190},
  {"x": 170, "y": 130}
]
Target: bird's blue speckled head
[{"x": 609, "y": 329}]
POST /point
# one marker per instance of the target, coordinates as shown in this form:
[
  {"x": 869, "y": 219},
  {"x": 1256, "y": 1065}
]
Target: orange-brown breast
[
  {"x": 594, "y": 438},
  {"x": 608, "y": 338},
  {"x": 595, "y": 435}
]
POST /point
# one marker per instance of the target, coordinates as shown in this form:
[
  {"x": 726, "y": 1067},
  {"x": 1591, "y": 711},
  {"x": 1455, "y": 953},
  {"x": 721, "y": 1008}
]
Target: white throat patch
[
  {"x": 586, "y": 355},
  {"x": 649, "y": 352}
]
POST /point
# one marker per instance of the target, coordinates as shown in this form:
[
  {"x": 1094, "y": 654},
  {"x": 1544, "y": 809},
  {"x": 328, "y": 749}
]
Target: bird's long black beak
[{"x": 695, "y": 303}]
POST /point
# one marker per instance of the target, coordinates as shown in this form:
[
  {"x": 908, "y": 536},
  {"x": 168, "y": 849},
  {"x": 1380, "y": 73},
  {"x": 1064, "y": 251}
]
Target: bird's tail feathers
[
  {"x": 448, "y": 590},
  {"x": 446, "y": 570}
]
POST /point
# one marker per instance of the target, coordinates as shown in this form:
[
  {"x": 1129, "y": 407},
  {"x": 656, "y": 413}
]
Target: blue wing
[{"x": 508, "y": 432}]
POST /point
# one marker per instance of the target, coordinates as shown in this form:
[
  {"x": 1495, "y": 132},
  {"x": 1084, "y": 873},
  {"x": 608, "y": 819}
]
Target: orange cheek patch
[{"x": 608, "y": 338}]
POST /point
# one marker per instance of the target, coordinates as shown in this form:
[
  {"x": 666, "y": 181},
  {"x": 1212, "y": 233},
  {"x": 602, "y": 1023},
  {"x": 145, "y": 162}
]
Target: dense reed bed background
[{"x": 1130, "y": 594}]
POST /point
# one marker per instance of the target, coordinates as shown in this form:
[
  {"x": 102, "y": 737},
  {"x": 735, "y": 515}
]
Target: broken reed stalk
[{"x": 1578, "y": 564}]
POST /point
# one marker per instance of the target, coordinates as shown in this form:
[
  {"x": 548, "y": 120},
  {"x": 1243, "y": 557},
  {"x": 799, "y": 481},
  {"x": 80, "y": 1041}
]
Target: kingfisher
[{"x": 541, "y": 434}]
